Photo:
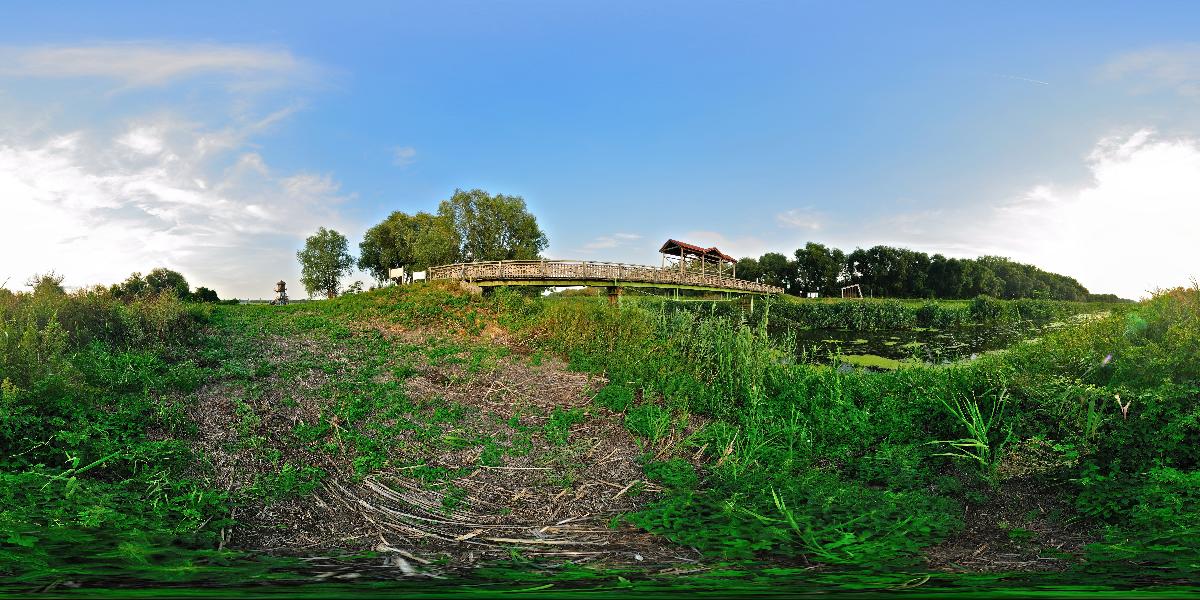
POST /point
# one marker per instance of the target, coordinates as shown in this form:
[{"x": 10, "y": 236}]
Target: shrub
[{"x": 615, "y": 397}]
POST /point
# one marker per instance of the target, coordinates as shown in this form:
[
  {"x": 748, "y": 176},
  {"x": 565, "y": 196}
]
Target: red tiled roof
[{"x": 695, "y": 250}]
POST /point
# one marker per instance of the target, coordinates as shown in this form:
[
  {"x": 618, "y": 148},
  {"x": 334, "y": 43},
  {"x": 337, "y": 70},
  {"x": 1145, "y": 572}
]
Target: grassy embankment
[{"x": 1081, "y": 445}]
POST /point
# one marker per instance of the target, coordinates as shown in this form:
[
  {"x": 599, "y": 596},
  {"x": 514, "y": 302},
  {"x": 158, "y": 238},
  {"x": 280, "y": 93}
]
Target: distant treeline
[
  {"x": 885, "y": 271},
  {"x": 156, "y": 282}
]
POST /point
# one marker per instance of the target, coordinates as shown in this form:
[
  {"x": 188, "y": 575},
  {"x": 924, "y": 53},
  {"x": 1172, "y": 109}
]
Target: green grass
[
  {"x": 761, "y": 458},
  {"x": 857, "y": 467}
]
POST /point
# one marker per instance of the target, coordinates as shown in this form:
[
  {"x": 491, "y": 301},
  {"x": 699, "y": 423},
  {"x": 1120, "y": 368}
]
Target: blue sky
[{"x": 212, "y": 137}]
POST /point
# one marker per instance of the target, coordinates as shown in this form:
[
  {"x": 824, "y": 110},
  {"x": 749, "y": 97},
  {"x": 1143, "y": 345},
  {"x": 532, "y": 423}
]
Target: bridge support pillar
[{"x": 614, "y": 295}]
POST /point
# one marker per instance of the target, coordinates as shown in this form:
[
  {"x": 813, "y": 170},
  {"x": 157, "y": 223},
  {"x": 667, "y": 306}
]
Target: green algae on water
[{"x": 871, "y": 360}]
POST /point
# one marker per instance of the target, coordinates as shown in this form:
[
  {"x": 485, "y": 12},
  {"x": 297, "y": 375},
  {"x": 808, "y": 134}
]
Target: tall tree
[
  {"x": 748, "y": 269},
  {"x": 133, "y": 286},
  {"x": 978, "y": 280},
  {"x": 324, "y": 260},
  {"x": 415, "y": 242},
  {"x": 491, "y": 227},
  {"x": 818, "y": 268},
  {"x": 776, "y": 269},
  {"x": 860, "y": 269},
  {"x": 162, "y": 280},
  {"x": 204, "y": 294}
]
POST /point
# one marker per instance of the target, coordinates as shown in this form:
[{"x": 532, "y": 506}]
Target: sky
[{"x": 213, "y": 137}]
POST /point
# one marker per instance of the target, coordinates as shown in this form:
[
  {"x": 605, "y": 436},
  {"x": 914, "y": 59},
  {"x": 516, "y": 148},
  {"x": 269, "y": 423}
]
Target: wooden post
[{"x": 614, "y": 295}]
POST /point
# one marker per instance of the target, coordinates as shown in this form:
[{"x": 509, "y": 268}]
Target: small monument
[{"x": 280, "y": 294}]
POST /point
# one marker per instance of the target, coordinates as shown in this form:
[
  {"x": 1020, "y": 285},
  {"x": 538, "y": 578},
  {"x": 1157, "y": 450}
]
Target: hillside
[{"x": 440, "y": 431}]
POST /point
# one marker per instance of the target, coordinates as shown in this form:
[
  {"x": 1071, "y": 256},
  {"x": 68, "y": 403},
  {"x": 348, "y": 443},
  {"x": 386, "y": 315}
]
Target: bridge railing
[{"x": 577, "y": 270}]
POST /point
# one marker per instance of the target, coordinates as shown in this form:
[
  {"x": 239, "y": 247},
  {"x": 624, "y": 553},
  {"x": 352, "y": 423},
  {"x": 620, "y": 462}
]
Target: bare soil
[
  {"x": 552, "y": 501},
  {"x": 1021, "y": 527}
]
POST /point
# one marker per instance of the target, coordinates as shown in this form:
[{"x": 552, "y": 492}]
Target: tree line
[
  {"x": 470, "y": 226},
  {"x": 903, "y": 273},
  {"x": 475, "y": 226},
  {"x": 157, "y": 281}
]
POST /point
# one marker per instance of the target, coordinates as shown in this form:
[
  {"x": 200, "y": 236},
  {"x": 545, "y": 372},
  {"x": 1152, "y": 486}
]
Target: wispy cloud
[
  {"x": 402, "y": 156},
  {"x": 149, "y": 64},
  {"x": 615, "y": 240},
  {"x": 1176, "y": 68},
  {"x": 800, "y": 218},
  {"x": 1025, "y": 79}
]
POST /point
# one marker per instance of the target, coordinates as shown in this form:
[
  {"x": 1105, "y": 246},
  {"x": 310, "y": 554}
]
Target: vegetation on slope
[{"x": 1081, "y": 444}]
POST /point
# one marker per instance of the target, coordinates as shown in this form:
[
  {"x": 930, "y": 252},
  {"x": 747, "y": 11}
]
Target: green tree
[
  {"x": 979, "y": 280},
  {"x": 491, "y": 227},
  {"x": 860, "y": 269},
  {"x": 818, "y": 269},
  {"x": 749, "y": 269},
  {"x": 945, "y": 279},
  {"x": 161, "y": 280},
  {"x": 44, "y": 284},
  {"x": 412, "y": 241},
  {"x": 132, "y": 287},
  {"x": 324, "y": 260},
  {"x": 776, "y": 269},
  {"x": 203, "y": 294}
]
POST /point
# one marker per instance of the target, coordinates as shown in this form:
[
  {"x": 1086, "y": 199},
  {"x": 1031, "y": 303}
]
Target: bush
[
  {"x": 83, "y": 378},
  {"x": 615, "y": 397},
  {"x": 985, "y": 309}
]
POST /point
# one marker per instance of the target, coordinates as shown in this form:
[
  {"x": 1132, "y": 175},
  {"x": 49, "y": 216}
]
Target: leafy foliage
[
  {"x": 885, "y": 271},
  {"x": 493, "y": 227},
  {"x": 469, "y": 226},
  {"x": 759, "y": 455},
  {"x": 84, "y": 377},
  {"x": 416, "y": 242},
  {"x": 324, "y": 261}
]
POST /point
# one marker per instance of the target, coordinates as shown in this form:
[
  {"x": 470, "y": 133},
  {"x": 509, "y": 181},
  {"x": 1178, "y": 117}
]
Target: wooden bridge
[{"x": 614, "y": 276}]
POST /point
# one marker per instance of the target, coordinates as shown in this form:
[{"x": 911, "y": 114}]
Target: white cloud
[
  {"x": 146, "y": 64},
  {"x": 143, "y": 140},
  {"x": 1132, "y": 229},
  {"x": 140, "y": 187},
  {"x": 402, "y": 156},
  {"x": 96, "y": 211},
  {"x": 800, "y": 218}
]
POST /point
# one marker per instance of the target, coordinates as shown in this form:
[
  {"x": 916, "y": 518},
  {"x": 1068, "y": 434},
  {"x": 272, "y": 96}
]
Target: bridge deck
[{"x": 590, "y": 273}]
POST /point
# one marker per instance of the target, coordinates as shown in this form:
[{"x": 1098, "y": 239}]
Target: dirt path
[{"x": 478, "y": 464}]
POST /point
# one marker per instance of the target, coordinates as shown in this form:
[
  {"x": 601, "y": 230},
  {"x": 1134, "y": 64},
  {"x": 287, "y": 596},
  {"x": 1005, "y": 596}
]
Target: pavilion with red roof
[{"x": 690, "y": 257}]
